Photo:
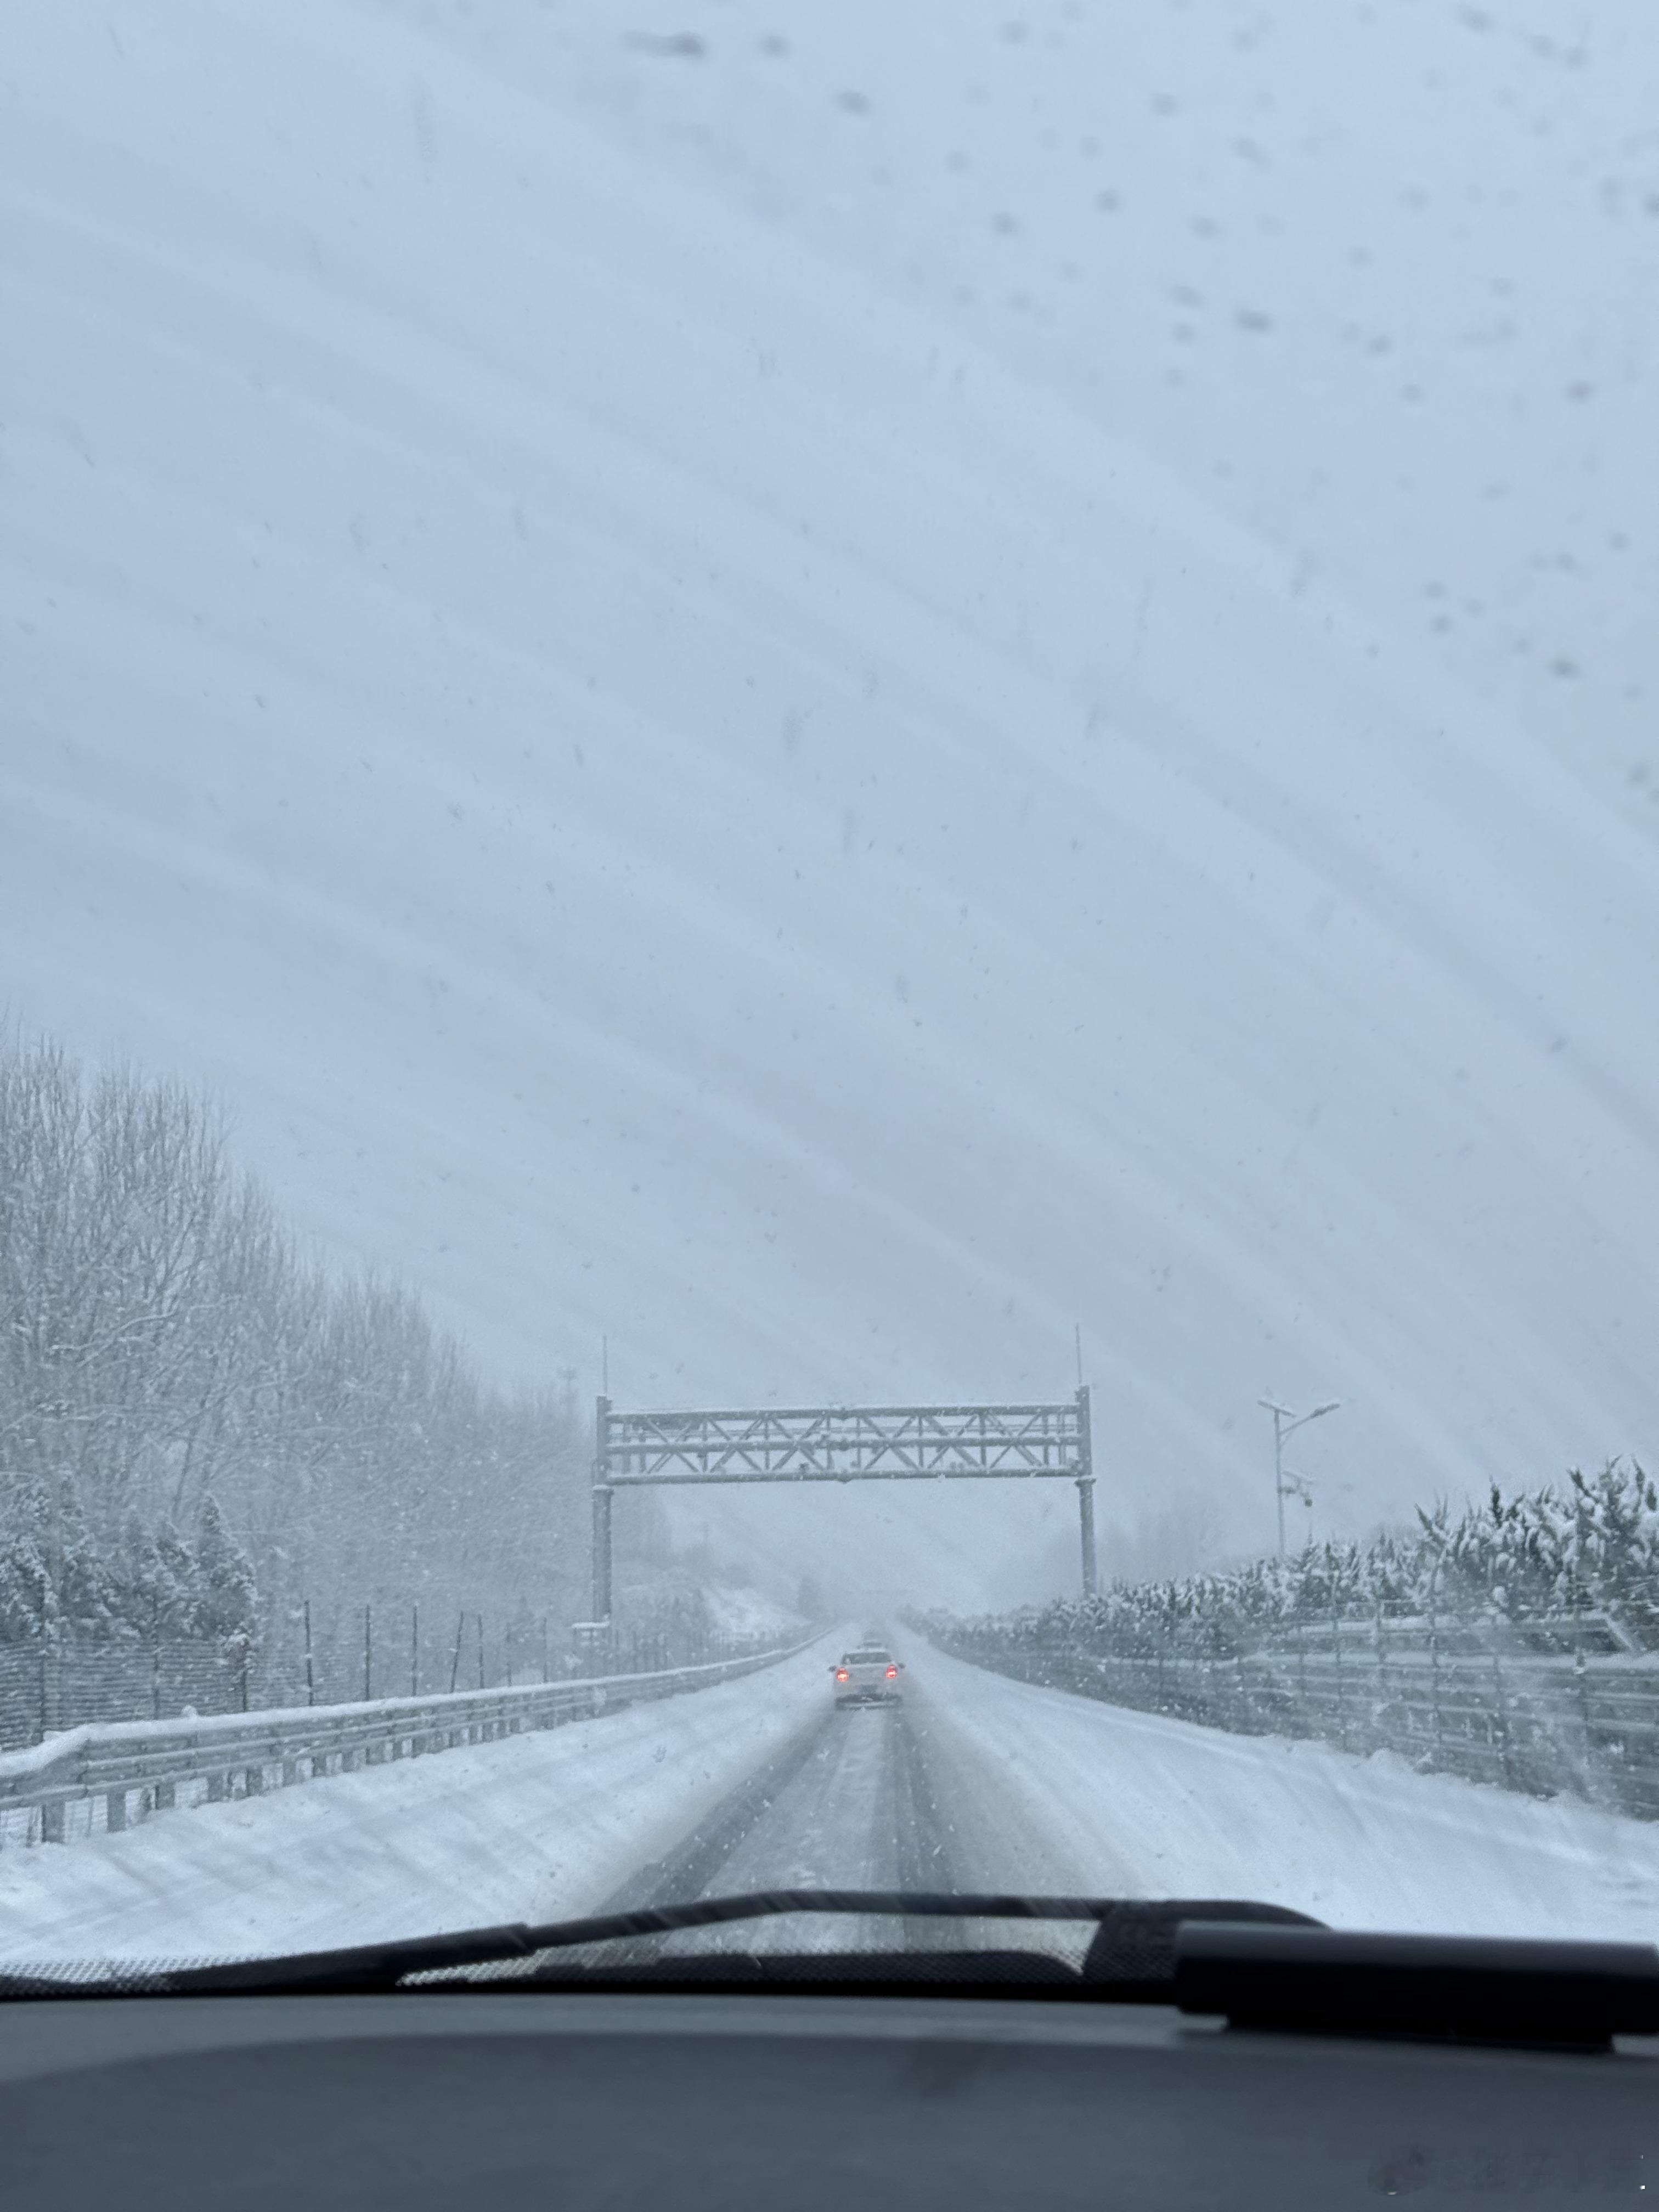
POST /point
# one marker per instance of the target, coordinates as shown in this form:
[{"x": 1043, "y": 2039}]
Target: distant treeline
[
  {"x": 199, "y": 1425},
  {"x": 1591, "y": 1545}
]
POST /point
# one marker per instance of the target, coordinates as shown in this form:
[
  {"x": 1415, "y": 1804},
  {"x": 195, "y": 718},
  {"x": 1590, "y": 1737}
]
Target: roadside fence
[
  {"x": 321, "y": 1655},
  {"x": 1569, "y": 1706},
  {"x": 103, "y": 1779}
]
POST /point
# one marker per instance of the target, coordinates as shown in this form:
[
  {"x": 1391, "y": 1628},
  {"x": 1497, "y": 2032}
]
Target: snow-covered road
[
  {"x": 975, "y": 1783},
  {"x": 979, "y": 1783}
]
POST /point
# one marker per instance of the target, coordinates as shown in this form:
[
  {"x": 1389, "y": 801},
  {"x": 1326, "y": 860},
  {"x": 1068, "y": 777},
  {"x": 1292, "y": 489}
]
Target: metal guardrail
[
  {"x": 1537, "y": 1723},
  {"x": 165, "y": 1763}
]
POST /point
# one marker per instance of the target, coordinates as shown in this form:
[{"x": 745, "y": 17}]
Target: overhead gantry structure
[{"x": 840, "y": 1443}]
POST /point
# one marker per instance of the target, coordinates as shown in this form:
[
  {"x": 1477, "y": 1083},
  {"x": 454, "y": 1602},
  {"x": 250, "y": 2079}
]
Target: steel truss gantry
[{"x": 839, "y": 1444}]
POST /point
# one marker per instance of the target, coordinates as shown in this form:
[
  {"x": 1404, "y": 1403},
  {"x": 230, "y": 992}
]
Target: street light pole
[{"x": 1285, "y": 1423}]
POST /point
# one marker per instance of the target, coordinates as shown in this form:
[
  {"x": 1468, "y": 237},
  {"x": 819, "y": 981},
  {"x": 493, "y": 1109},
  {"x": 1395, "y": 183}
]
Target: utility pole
[{"x": 1286, "y": 1423}]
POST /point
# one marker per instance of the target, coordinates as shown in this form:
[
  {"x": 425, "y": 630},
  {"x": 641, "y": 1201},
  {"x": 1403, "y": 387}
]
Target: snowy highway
[
  {"x": 861, "y": 1799},
  {"x": 851, "y": 1804},
  {"x": 868, "y": 1797},
  {"x": 977, "y": 1782}
]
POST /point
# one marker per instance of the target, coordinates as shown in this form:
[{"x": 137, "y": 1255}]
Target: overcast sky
[{"x": 825, "y": 702}]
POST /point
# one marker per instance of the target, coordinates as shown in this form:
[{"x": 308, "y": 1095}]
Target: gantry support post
[
  {"x": 1085, "y": 1495},
  {"x": 602, "y": 1496}
]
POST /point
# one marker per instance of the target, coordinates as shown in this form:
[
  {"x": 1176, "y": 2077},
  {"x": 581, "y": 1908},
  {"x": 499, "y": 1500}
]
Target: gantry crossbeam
[{"x": 838, "y": 1443}]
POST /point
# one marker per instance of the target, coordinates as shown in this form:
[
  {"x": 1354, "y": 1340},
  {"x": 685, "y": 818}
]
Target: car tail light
[
  {"x": 892, "y": 1673},
  {"x": 840, "y": 1673}
]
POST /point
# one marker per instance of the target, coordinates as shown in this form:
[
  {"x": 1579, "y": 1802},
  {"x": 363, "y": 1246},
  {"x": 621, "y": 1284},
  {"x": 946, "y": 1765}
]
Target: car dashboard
[{"x": 686, "y": 2101}]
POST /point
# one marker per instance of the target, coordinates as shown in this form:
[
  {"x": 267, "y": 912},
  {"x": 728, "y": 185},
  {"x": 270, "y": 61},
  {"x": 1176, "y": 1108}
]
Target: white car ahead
[{"x": 868, "y": 1676}]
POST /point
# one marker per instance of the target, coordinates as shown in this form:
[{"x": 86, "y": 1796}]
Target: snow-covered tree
[
  {"x": 162, "y": 1343},
  {"x": 1553, "y": 1553}
]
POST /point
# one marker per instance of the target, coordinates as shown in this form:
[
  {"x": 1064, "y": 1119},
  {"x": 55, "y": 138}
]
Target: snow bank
[
  {"x": 1124, "y": 1802},
  {"x": 531, "y": 1827}
]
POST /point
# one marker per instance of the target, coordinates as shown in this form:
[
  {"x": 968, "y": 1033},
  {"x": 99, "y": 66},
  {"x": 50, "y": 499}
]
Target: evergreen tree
[
  {"x": 24, "y": 1596},
  {"x": 227, "y": 1596}
]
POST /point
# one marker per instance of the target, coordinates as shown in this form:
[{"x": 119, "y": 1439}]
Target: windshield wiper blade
[
  {"x": 386, "y": 1964},
  {"x": 1137, "y": 1935},
  {"x": 1258, "y": 1967}
]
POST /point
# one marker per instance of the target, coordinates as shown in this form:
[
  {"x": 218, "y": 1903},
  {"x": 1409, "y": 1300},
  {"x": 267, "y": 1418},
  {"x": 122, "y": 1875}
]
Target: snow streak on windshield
[{"x": 828, "y": 850}]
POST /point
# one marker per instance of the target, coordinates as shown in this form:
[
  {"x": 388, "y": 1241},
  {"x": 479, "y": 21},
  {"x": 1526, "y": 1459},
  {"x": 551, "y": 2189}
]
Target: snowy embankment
[
  {"x": 1106, "y": 1801},
  {"x": 529, "y": 1828},
  {"x": 1041, "y": 1790}
]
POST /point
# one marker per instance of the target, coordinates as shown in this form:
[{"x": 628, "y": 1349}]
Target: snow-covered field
[
  {"x": 1022, "y": 1789},
  {"x": 681, "y": 787}
]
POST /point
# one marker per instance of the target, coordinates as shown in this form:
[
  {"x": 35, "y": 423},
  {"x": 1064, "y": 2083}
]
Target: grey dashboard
[{"x": 663, "y": 2101}]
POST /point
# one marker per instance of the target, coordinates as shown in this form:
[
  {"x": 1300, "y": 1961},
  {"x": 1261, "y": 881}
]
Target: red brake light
[
  {"x": 892, "y": 1673},
  {"x": 840, "y": 1673}
]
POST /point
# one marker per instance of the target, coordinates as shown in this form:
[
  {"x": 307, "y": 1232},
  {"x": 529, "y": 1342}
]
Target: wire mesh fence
[
  {"x": 98, "y": 1781},
  {"x": 327, "y": 1654},
  {"x": 59, "y": 1683},
  {"x": 1563, "y": 1709}
]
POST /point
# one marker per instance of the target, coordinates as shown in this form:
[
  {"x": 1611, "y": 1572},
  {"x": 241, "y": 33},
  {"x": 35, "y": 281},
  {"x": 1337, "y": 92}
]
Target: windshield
[{"x": 828, "y": 929}]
